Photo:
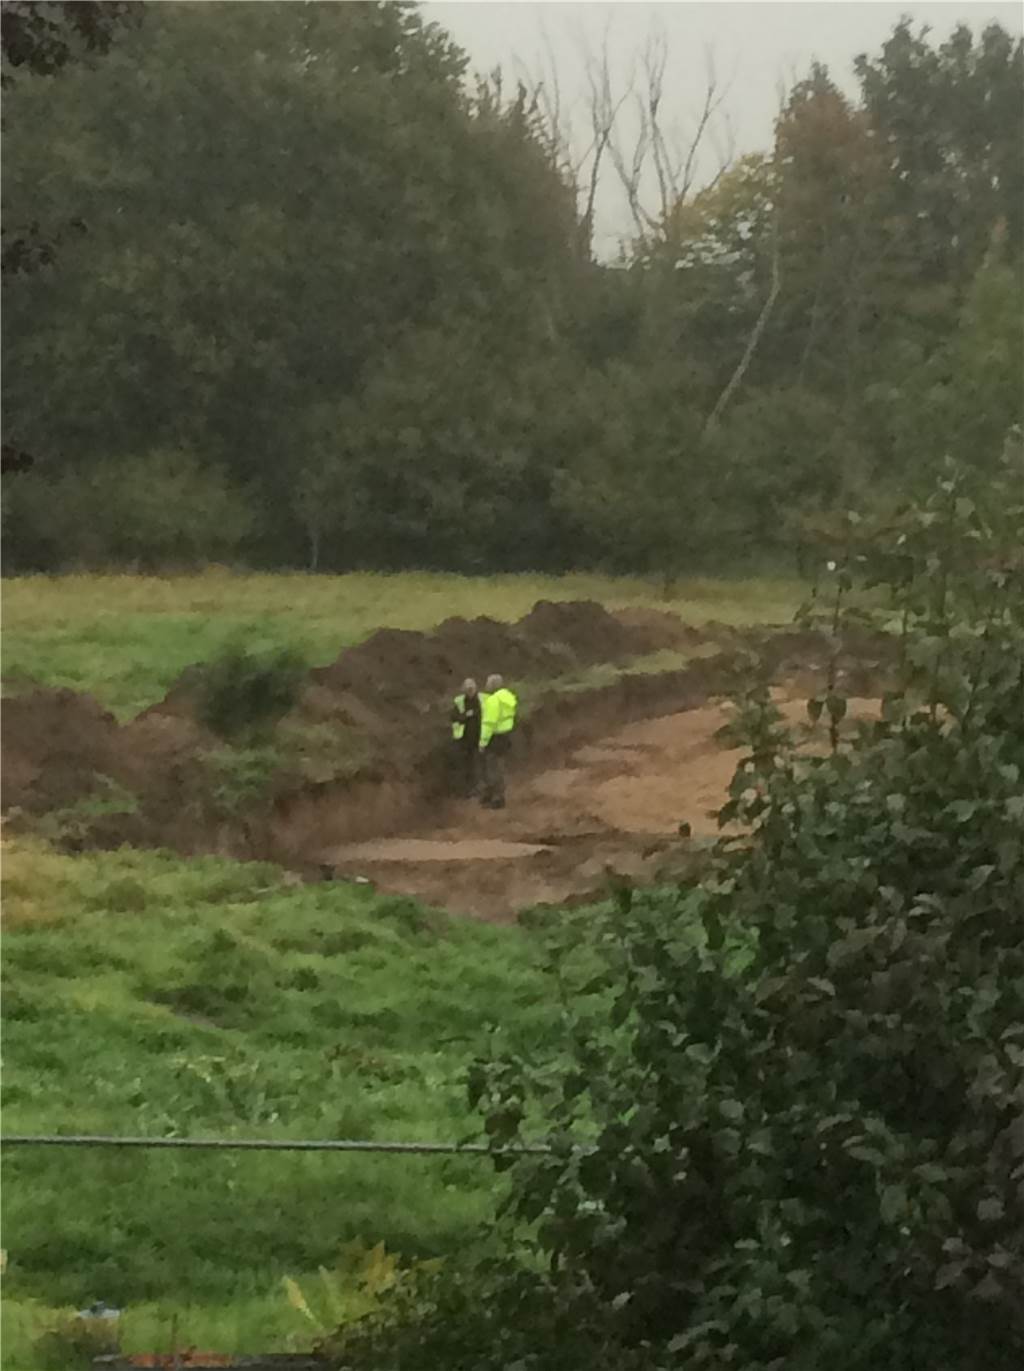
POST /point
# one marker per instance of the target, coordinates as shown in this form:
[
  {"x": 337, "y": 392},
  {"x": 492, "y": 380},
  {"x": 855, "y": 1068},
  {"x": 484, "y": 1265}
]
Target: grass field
[
  {"x": 146, "y": 994},
  {"x": 126, "y": 639}
]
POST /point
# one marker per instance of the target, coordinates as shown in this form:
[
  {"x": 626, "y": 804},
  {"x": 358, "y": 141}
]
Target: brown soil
[
  {"x": 65, "y": 755},
  {"x": 611, "y": 806},
  {"x": 600, "y": 778}
]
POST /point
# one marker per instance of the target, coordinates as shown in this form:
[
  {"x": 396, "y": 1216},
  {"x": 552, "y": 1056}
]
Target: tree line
[{"x": 284, "y": 285}]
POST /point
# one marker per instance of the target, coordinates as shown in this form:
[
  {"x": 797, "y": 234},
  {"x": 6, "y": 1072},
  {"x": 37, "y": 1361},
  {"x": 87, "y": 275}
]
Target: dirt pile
[
  {"x": 64, "y": 755},
  {"x": 150, "y": 780},
  {"x": 388, "y": 687},
  {"x": 56, "y": 744},
  {"x": 551, "y": 640},
  {"x": 555, "y": 723},
  {"x": 374, "y": 726}
]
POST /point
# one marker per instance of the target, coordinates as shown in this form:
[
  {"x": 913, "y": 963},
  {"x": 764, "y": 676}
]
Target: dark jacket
[{"x": 469, "y": 716}]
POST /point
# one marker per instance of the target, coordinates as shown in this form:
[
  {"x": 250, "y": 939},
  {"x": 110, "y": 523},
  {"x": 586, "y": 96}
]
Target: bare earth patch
[{"x": 615, "y": 805}]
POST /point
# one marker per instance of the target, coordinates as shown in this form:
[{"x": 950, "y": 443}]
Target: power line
[{"x": 271, "y": 1144}]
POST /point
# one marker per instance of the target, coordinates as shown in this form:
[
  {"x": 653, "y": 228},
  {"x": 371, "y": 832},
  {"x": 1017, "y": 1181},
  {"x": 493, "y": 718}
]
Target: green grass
[
  {"x": 146, "y": 994},
  {"x": 126, "y": 639},
  {"x": 607, "y": 673}
]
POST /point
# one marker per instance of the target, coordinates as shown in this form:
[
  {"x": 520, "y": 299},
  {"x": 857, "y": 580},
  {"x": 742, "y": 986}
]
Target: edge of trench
[{"x": 308, "y": 823}]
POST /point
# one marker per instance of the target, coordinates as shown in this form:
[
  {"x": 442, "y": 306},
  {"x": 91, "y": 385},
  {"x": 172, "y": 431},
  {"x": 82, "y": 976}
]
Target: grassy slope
[
  {"x": 127, "y": 638},
  {"x": 149, "y": 995}
]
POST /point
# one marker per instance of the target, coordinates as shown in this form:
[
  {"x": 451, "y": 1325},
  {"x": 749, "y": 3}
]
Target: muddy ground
[{"x": 600, "y": 779}]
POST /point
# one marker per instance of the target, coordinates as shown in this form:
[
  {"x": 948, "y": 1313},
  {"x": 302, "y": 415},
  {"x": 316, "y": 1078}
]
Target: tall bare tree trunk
[{"x": 714, "y": 418}]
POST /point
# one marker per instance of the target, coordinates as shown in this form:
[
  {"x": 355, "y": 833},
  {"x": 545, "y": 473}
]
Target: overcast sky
[{"x": 756, "y": 47}]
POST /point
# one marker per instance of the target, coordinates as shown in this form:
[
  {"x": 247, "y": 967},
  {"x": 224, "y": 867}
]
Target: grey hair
[
  {"x": 468, "y": 684},
  {"x": 494, "y": 683}
]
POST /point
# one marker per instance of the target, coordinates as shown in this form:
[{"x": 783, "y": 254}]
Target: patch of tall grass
[{"x": 149, "y": 995}]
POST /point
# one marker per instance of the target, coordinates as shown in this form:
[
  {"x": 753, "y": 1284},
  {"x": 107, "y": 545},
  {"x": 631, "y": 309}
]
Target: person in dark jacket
[{"x": 465, "y": 721}]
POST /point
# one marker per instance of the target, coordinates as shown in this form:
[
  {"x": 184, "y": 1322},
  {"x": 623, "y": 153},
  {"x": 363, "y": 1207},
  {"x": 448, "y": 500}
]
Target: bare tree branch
[
  {"x": 654, "y": 62},
  {"x": 655, "y": 166},
  {"x": 654, "y": 151},
  {"x": 604, "y": 112},
  {"x": 775, "y": 285},
  {"x": 714, "y": 97}
]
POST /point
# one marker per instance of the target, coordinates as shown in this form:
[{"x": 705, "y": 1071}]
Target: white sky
[{"x": 756, "y": 46}]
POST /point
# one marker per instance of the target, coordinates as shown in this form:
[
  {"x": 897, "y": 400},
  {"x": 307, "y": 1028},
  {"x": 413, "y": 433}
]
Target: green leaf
[
  {"x": 893, "y": 1204},
  {"x": 825, "y": 986},
  {"x": 932, "y": 1174},
  {"x": 866, "y": 1154},
  {"x": 620, "y": 1011}
]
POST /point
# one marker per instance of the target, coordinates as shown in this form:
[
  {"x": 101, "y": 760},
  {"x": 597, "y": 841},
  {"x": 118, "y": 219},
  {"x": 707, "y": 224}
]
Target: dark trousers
[
  {"x": 493, "y": 757},
  {"x": 465, "y": 766}
]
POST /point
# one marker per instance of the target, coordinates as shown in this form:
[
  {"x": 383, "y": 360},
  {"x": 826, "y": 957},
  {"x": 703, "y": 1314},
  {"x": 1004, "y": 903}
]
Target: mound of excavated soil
[
  {"x": 57, "y": 744},
  {"x": 551, "y": 640},
  {"x": 114, "y": 783},
  {"x": 392, "y": 691},
  {"x": 386, "y": 686}
]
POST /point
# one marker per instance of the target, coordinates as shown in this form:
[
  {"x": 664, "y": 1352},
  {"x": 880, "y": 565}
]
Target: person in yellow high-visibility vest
[{"x": 497, "y": 720}]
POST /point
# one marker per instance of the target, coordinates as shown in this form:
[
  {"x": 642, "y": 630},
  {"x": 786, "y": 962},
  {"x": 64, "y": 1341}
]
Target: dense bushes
[{"x": 159, "y": 511}]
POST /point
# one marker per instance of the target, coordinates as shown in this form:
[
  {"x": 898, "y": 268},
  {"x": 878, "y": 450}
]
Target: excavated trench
[
  {"x": 616, "y": 804},
  {"x": 602, "y": 782},
  {"x": 600, "y": 779}
]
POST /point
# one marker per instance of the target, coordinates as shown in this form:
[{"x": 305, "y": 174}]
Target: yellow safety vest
[
  {"x": 497, "y": 714},
  {"x": 459, "y": 729}
]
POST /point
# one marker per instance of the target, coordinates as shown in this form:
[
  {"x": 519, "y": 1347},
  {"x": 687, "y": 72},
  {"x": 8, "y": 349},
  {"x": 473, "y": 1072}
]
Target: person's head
[
  {"x": 469, "y": 687},
  {"x": 493, "y": 683}
]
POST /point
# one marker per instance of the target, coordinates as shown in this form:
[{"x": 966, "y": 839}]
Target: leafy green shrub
[
  {"x": 243, "y": 693},
  {"x": 409, "y": 916}
]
